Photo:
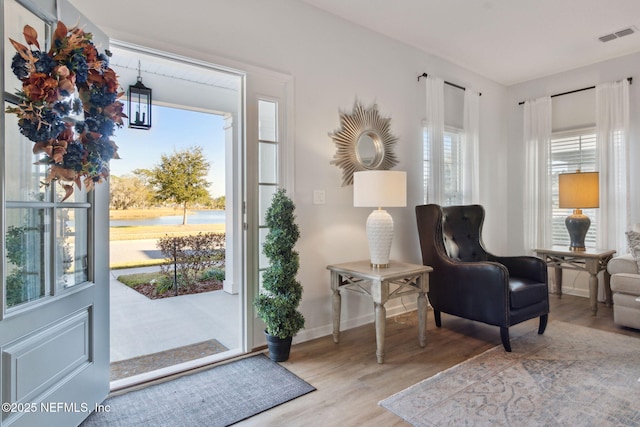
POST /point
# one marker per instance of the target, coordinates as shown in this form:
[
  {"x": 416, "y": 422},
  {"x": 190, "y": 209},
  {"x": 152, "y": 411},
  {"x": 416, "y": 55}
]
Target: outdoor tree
[
  {"x": 218, "y": 203},
  {"x": 181, "y": 178},
  {"x": 128, "y": 192}
]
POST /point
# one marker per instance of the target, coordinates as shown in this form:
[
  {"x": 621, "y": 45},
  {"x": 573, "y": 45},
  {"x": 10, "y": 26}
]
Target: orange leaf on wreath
[
  {"x": 31, "y": 35},
  {"x": 68, "y": 191},
  {"x": 42, "y": 147},
  {"x": 58, "y": 153},
  {"x": 22, "y": 49},
  {"x": 60, "y": 33}
]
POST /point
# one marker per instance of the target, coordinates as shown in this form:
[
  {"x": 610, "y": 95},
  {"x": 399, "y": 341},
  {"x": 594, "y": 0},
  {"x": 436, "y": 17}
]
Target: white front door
[{"x": 54, "y": 323}]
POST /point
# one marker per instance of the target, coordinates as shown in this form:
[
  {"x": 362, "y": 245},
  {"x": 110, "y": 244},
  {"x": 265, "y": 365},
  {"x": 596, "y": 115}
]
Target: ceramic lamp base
[
  {"x": 380, "y": 236},
  {"x": 577, "y": 226}
]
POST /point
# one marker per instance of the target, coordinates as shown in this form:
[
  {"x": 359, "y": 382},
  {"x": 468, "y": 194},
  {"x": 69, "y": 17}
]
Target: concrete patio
[{"x": 141, "y": 326}]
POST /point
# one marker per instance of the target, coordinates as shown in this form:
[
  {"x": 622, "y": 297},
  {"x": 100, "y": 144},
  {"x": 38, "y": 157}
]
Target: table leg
[
  {"x": 422, "y": 319},
  {"x": 381, "y": 318},
  {"x": 593, "y": 292},
  {"x": 336, "y": 305},
  {"x": 558, "y": 276}
]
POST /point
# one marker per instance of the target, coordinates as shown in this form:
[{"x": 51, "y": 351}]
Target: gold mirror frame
[{"x": 362, "y": 127}]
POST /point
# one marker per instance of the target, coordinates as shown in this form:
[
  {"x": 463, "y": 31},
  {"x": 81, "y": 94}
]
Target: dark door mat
[
  {"x": 216, "y": 397},
  {"x": 162, "y": 359}
]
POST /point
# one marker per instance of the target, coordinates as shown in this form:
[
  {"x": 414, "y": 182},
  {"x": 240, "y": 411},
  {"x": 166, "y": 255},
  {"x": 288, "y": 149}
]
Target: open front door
[{"x": 54, "y": 325}]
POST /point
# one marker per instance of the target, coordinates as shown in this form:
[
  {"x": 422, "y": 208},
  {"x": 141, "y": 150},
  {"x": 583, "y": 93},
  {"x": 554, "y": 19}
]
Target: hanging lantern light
[{"x": 139, "y": 105}]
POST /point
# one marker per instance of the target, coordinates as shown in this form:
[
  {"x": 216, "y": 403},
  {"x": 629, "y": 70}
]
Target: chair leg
[
  {"x": 504, "y": 335},
  {"x": 543, "y": 324},
  {"x": 438, "y": 319}
]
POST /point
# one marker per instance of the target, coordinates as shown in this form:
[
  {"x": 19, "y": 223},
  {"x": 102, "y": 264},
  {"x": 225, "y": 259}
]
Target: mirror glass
[{"x": 368, "y": 149}]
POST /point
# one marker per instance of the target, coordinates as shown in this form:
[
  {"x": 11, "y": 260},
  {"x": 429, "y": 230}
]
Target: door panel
[
  {"x": 36, "y": 362},
  {"x": 54, "y": 332}
]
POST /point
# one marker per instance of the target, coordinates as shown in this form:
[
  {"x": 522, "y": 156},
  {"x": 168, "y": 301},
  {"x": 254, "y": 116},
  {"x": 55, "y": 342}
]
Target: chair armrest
[
  {"x": 477, "y": 279},
  {"x": 528, "y": 267},
  {"x": 473, "y": 290},
  {"x": 622, "y": 264}
]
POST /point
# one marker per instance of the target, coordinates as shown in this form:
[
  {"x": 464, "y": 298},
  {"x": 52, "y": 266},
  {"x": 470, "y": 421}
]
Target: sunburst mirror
[{"x": 364, "y": 142}]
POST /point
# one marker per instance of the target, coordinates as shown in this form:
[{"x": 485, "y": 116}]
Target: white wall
[
  {"x": 333, "y": 63},
  {"x": 583, "y": 113}
]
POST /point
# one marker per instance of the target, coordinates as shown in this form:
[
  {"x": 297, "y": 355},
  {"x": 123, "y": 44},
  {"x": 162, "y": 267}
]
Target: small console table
[
  {"x": 382, "y": 284},
  {"x": 591, "y": 260}
]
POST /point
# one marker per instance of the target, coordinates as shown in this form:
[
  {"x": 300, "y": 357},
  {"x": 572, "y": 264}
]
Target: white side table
[{"x": 382, "y": 284}]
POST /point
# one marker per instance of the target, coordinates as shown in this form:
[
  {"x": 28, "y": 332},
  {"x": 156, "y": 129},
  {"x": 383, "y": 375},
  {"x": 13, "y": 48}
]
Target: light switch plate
[{"x": 318, "y": 197}]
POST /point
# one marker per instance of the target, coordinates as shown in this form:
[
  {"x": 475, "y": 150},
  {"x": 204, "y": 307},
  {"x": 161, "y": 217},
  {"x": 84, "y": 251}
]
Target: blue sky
[{"x": 172, "y": 130}]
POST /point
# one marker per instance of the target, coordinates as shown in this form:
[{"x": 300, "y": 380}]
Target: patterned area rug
[
  {"x": 220, "y": 396},
  {"x": 570, "y": 376},
  {"x": 150, "y": 362}
]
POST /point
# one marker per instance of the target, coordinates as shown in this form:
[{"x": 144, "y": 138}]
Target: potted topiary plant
[{"x": 278, "y": 301}]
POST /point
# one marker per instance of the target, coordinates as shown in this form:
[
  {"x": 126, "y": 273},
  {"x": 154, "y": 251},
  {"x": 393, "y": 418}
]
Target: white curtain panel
[
  {"x": 537, "y": 192},
  {"x": 612, "y": 130},
  {"x": 435, "y": 138},
  {"x": 470, "y": 150}
]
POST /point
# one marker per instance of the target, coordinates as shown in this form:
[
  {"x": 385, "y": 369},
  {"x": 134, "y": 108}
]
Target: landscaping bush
[
  {"x": 214, "y": 274},
  {"x": 192, "y": 256}
]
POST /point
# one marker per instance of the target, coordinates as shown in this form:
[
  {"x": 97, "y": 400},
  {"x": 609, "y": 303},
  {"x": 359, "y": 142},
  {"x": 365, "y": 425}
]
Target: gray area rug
[
  {"x": 570, "y": 376},
  {"x": 220, "y": 396}
]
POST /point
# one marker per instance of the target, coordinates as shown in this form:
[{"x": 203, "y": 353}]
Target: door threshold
[{"x": 146, "y": 379}]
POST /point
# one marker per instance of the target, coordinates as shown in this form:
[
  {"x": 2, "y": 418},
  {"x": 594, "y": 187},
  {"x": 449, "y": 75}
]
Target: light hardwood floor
[{"x": 350, "y": 382}]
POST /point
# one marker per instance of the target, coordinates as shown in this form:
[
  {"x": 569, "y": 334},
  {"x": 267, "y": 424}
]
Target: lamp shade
[
  {"x": 380, "y": 188},
  {"x": 579, "y": 190}
]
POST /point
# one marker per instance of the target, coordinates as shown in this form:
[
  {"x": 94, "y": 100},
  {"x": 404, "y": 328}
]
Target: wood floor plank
[{"x": 350, "y": 382}]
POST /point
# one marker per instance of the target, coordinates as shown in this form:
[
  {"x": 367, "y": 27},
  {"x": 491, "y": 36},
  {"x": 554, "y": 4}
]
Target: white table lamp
[{"x": 378, "y": 189}]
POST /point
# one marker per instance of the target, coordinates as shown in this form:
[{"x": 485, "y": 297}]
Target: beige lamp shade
[
  {"x": 380, "y": 188},
  {"x": 579, "y": 190}
]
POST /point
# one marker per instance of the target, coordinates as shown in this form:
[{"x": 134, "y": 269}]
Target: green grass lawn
[
  {"x": 158, "y": 231},
  {"x": 133, "y": 280}
]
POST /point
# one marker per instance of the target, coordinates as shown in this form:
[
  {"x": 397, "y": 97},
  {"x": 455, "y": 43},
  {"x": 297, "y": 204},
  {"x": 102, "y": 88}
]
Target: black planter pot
[{"x": 279, "y": 348}]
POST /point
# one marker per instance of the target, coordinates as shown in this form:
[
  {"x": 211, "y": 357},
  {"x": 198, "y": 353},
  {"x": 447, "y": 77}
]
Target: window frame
[
  {"x": 585, "y": 161},
  {"x": 453, "y": 136}
]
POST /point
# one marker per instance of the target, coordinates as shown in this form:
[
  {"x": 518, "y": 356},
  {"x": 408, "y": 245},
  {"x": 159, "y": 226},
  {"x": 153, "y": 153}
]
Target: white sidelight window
[{"x": 268, "y": 171}]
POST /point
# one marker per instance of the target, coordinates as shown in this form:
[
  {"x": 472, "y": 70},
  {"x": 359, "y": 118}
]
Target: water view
[{"x": 194, "y": 217}]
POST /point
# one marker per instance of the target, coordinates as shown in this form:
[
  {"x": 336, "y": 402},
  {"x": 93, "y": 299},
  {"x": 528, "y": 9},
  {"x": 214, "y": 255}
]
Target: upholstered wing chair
[{"x": 469, "y": 282}]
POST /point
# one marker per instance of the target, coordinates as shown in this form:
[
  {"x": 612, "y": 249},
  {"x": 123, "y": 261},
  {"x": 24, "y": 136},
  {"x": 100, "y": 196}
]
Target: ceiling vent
[
  {"x": 624, "y": 32},
  {"x": 607, "y": 38},
  {"x": 617, "y": 34}
]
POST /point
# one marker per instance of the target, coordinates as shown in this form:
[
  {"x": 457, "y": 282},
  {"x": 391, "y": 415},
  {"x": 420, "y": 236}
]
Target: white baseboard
[{"x": 327, "y": 330}]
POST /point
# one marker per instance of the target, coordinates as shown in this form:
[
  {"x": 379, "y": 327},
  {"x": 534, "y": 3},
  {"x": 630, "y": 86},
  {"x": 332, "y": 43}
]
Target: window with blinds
[
  {"x": 452, "y": 166},
  {"x": 571, "y": 151}
]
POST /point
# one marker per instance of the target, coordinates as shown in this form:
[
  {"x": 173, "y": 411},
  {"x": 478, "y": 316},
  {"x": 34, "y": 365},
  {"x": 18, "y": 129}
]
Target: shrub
[
  {"x": 165, "y": 284},
  {"x": 192, "y": 255},
  {"x": 278, "y": 302},
  {"x": 214, "y": 274}
]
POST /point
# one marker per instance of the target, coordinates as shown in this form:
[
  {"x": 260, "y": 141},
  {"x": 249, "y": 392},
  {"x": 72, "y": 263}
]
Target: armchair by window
[{"x": 469, "y": 282}]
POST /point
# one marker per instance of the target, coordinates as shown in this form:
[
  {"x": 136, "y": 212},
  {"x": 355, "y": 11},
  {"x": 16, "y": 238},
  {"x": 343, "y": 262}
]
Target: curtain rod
[
  {"x": 630, "y": 79},
  {"x": 447, "y": 83}
]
